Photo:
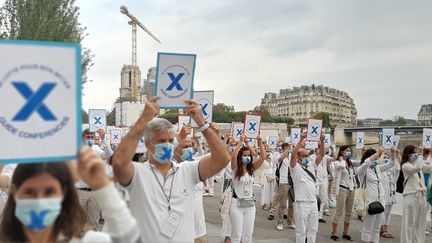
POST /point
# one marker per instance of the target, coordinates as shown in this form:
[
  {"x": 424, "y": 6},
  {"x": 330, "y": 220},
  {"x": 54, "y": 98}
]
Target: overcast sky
[{"x": 380, "y": 52}]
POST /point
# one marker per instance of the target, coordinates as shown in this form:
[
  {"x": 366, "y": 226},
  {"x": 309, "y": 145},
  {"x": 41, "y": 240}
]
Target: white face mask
[{"x": 164, "y": 152}]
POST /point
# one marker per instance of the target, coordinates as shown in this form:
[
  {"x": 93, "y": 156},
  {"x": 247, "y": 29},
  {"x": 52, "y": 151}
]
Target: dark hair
[
  {"x": 407, "y": 151},
  {"x": 426, "y": 152},
  {"x": 284, "y": 145},
  {"x": 368, "y": 153},
  {"x": 341, "y": 150},
  {"x": 86, "y": 131},
  {"x": 72, "y": 218},
  {"x": 249, "y": 167}
]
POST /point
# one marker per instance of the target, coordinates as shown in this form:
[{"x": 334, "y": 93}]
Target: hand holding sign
[
  {"x": 91, "y": 169},
  {"x": 314, "y": 130},
  {"x": 387, "y": 138},
  {"x": 252, "y": 126},
  {"x": 151, "y": 109},
  {"x": 360, "y": 140},
  {"x": 194, "y": 110}
]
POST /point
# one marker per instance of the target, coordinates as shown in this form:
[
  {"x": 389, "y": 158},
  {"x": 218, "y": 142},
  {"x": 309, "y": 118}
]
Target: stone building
[{"x": 424, "y": 117}]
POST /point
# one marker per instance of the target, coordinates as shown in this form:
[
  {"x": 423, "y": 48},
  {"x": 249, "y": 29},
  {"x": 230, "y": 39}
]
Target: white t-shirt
[
  {"x": 199, "y": 217},
  {"x": 243, "y": 187},
  {"x": 322, "y": 173},
  {"x": 228, "y": 171},
  {"x": 149, "y": 205},
  {"x": 283, "y": 171},
  {"x": 304, "y": 185}
]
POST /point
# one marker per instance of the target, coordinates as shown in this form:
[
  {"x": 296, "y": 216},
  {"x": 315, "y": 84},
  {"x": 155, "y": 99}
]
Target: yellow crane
[{"x": 134, "y": 22}]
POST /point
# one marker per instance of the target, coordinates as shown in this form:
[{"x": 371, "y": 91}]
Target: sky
[{"x": 379, "y": 52}]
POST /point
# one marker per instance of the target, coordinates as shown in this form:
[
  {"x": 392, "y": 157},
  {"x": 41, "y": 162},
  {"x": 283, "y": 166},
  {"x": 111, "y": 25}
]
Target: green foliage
[
  {"x": 171, "y": 117},
  {"x": 84, "y": 116},
  {"x": 399, "y": 121},
  {"x": 111, "y": 118},
  {"x": 325, "y": 117},
  {"x": 44, "y": 20}
]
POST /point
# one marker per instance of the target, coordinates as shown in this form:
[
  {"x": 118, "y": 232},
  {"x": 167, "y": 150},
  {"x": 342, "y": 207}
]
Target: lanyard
[{"x": 163, "y": 191}]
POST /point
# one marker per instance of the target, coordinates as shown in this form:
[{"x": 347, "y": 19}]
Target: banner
[
  {"x": 174, "y": 79},
  {"x": 252, "y": 126},
  {"x": 40, "y": 98},
  {"x": 205, "y": 99}
]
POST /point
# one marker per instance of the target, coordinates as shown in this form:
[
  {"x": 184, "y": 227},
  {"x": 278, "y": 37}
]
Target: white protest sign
[
  {"x": 387, "y": 137},
  {"x": 327, "y": 140},
  {"x": 310, "y": 145},
  {"x": 360, "y": 140},
  {"x": 116, "y": 135},
  {"x": 237, "y": 130},
  {"x": 295, "y": 135},
  {"x": 271, "y": 141},
  {"x": 141, "y": 148},
  {"x": 174, "y": 79},
  {"x": 40, "y": 99},
  {"x": 287, "y": 139},
  {"x": 97, "y": 119},
  {"x": 396, "y": 141},
  {"x": 205, "y": 99},
  {"x": 427, "y": 133},
  {"x": 182, "y": 121},
  {"x": 314, "y": 130},
  {"x": 109, "y": 128},
  {"x": 251, "y": 142},
  {"x": 252, "y": 126}
]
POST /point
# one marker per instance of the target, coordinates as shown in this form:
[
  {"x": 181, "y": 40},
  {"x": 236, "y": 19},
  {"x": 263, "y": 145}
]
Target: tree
[
  {"x": 325, "y": 117},
  {"x": 45, "y": 20},
  {"x": 84, "y": 116},
  {"x": 398, "y": 121},
  {"x": 111, "y": 118}
]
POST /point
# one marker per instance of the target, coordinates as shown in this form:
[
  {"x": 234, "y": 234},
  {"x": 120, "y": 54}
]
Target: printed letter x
[
  {"x": 252, "y": 126},
  {"x": 175, "y": 81},
  {"x": 97, "y": 120}
]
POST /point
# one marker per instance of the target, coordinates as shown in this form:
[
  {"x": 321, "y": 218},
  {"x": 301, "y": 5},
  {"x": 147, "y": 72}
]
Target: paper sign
[
  {"x": 272, "y": 141},
  {"x": 396, "y": 141},
  {"x": 314, "y": 130},
  {"x": 109, "y": 128},
  {"x": 287, "y": 139},
  {"x": 387, "y": 138},
  {"x": 295, "y": 135},
  {"x": 251, "y": 142},
  {"x": 174, "y": 79},
  {"x": 237, "y": 130},
  {"x": 116, "y": 136},
  {"x": 252, "y": 126},
  {"x": 427, "y": 139},
  {"x": 311, "y": 145},
  {"x": 40, "y": 99},
  {"x": 360, "y": 140},
  {"x": 327, "y": 140},
  {"x": 141, "y": 148},
  {"x": 182, "y": 121},
  {"x": 205, "y": 99},
  {"x": 97, "y": 119}
]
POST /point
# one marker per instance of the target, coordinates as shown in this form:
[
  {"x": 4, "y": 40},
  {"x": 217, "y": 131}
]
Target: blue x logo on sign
[
  {"x": 116, "y": 136},
  {"x": 175, "y": 81},
  {"x": 428, "y": 138},
  {"x": 273, "y": 142},
  {"x": 296, "y": 135},
  {"x": 360, "y": 140},
  {"x": 326, "y": 140},
  {"x": 142, "y": 139},
  {"x": 239, "y": 132},
  {"x": 388, "y": 138},
  {"x": 97, "y": 120},
  {"x": 34, "y": 101},
  {"x": 314, "y": 131},
  {"x": 203, "y": 108}
]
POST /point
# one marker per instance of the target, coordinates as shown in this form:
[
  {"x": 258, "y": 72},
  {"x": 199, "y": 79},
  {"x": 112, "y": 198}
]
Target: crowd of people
[{"x": 113, "y": 194}]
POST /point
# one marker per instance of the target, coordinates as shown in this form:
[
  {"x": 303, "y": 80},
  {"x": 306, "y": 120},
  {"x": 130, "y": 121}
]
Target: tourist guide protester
[
  {"x": 322, "y": 176},
  {"x": 44, "y": 207},
  {"x": 269, "y": 181},
  {"x": 154, "y": 197},
  {"x": 242, "y": 211},
  {"x": 370, "y": 174},
  {"x": 345, "y": 185},
  {"x": 302, "y": 170},
  {"x": 414, "y": 210}
]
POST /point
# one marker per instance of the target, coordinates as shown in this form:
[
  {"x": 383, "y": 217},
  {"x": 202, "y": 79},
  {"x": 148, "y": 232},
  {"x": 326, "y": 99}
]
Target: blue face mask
[
  {"x": 246, "y": 160},
  {"x": 305, "y": 161},
  {"x": 164, "y": 152},
  {"x": 413, "y": 157},
  {"x": 187, "y": 154},
  {"x": 231, "y": 149},
  {"x": 38, "y": 214},
  {"x": 279, "y": 149},
  {"x": 89, "y": 142},
  {"x": 373, "y": 164},
  {"x": 348, "y": 155},
  {"x": 386, "y": 161}
]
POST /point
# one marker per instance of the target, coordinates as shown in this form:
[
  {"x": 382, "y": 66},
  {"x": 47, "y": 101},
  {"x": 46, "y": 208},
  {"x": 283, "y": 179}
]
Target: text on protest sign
[
  {"x": 252, "y": 126},
  {"x": 314, "y": 130},
  {"x": 205, "y": 99}
]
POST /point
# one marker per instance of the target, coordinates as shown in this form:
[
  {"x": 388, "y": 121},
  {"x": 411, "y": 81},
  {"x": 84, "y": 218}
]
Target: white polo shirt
[
  {"x": 304, "y": 185},
  {"x": 283, "y": 172},
  {"x": 149, "y": 204}
]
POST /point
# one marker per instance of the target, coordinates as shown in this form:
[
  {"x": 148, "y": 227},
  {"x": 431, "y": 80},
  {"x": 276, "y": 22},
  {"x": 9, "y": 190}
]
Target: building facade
[
  {"x": 424, "y": 117},
  {"x": 129, "y": 85},
  {"x": 371, "y": 122},
  {"x": 301, "y": 103}
]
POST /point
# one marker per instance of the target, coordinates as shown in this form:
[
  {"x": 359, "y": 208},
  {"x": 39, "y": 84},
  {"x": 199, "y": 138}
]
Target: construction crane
[{"x": 134, "y": 22}]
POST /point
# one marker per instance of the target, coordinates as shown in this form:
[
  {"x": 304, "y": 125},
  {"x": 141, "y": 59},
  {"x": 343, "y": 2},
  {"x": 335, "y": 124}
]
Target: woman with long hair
[
  {"x": 242, "y": 212},
  {"x": 370, "y": 174},
  {"x": 414, "y": 209},
  {"x": 44, "y": 207},
  {"x": 345, "y": 185}
]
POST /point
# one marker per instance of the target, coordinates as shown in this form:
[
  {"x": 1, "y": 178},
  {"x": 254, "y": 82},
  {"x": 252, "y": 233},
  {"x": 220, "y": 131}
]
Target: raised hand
[
  {"x": 151, "y": 109},
  {"x": 91, "y": 169},
  {"x": 195, "y": 112}
]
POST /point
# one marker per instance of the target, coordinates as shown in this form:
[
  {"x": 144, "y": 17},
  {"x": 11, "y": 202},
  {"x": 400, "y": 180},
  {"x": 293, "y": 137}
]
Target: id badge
[{"x": 170, "y": 224}]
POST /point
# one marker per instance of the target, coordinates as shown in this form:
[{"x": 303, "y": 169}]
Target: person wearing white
[
  {"x": 414, "y": 211},
  {"x": 389, "y": 184},
  {"x": 54, "y": 198},
  {"x": 269, "y": 181},
  {"x": 371, "y": 175},
  {"x": 242, "y": 212},
  {"x": 162, "y": 193},
  {"x": 305, "y": 205},
  {"x": 345, "y": 185},
  {"x": 322, "y": 184},
  {"x": 6, "y": 172},
  {"x": 227, "y": 179}
]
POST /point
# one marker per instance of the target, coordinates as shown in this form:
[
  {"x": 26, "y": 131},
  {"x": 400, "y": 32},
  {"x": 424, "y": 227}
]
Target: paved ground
[{"x": 265, "y": 230}]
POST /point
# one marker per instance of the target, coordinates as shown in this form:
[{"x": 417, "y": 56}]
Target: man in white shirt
[
  {"x": 305, "y": 206},
  {"x": 164, "y": 209}
]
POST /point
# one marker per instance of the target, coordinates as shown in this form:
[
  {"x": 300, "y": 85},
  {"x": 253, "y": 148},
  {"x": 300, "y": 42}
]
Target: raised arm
[
  {"x": 235, "y": 153},
  {"x": 258, "y": 162},
  {"x": 219, "y": 156},
  {"x": 299, "y": 145},
  {"x": 321, "y": 153},
  {"x": 121, "y": 159},
  {"x": 361, "y": 171}
]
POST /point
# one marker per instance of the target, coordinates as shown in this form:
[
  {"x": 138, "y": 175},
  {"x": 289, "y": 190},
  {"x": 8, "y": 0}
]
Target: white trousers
[
  {"x": 306, "y": 218},
  {"x": 387, "y": 214},
  {"x": 414, "y": 218},
  {"x": 210, "y": 184},
  {"x": 226, "y": 227},
  {"x": 322, "y": 192},
  {"x": 242, "y": 222},
  {"x": 371, "y": 227}
]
